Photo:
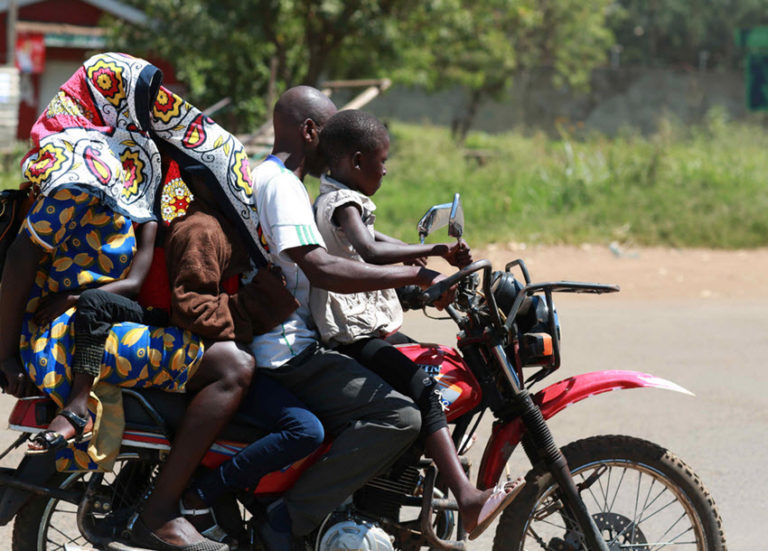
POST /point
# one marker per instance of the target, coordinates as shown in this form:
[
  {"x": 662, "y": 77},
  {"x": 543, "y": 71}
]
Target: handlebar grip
[
  {"x": 434, "y": 292},
  {"x": 437, "y": 290},
  {"x": 409, "y": 297}
]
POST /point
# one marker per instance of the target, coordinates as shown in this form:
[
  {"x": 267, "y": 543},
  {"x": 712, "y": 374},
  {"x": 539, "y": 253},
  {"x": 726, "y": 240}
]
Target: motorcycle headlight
[
  {"x": 505, "y": 289},
  {"x": 535, "y": 337}
]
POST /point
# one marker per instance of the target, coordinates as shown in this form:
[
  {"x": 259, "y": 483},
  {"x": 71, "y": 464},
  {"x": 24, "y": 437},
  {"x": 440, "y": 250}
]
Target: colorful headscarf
[{"x": 104, "y": 133}]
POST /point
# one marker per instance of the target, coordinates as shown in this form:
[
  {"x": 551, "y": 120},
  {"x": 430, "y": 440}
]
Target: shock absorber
[{"x": 540, "y": 437}]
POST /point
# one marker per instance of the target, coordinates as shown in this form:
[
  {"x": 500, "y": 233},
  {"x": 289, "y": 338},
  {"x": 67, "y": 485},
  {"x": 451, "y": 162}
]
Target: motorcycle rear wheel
[
  {"x": 48, "y": 524},
  {"x": 641, "y": 496}
]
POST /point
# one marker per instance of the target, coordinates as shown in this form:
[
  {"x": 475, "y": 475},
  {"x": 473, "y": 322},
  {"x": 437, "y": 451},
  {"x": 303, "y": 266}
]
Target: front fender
[{"x": 554, "y": 399}]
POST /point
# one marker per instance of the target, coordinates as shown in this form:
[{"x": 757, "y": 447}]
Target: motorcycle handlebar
[
  {"x": 431, "y": 294},
  {"x": 409, "y": 297}
]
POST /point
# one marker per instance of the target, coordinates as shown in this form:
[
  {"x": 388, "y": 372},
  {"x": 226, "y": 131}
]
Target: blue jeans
[{"x": 294, "y": 433}]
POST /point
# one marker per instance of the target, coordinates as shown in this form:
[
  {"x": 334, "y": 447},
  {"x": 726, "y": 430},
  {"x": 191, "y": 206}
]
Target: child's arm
[
  {"x": 387, "y": 250},
  {"x": 387, "y": 238},
  {"x": 420, "y": 261},
  {"x": 54, "y": 305},
  {"x": 142, "y": 260}
]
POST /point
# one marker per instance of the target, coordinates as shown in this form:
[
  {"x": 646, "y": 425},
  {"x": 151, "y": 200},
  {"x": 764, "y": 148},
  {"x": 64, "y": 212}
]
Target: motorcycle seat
[{"x": 152, "y": 410}]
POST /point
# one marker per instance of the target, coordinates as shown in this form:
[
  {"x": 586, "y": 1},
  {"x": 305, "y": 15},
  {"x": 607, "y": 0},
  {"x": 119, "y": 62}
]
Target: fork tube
[{"x": 541, "y": 438}]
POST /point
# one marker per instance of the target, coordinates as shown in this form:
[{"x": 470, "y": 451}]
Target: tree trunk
[{"x": 461, "y": 124}]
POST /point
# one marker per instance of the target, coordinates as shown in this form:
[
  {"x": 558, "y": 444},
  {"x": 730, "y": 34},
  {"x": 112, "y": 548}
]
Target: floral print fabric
[{"x": 104, "y": 133}]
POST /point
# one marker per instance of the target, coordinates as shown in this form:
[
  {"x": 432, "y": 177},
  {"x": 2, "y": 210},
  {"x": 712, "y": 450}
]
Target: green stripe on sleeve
[{"x": 301, "y": 234}]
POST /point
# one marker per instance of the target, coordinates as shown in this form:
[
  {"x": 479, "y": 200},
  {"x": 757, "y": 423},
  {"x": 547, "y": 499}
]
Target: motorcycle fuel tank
[{"x": 459, "y": 390}]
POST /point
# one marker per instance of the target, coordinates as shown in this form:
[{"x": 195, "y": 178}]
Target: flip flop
[
  {"x": 50, "y": 440},
  {"x": 503, "y": 494}
]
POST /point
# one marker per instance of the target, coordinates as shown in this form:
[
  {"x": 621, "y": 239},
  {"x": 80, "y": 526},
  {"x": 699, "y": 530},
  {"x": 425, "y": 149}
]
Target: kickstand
[{"x": 19, "y": 441}]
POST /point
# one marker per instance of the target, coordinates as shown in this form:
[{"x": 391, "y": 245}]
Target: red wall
[{"x": 73, "y": 12}]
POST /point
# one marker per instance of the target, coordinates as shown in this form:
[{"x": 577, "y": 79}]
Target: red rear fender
[
  {"x": 31, "y": 414},
  {"x": 552, "y": 400}
]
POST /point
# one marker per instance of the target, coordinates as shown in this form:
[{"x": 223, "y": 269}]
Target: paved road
[{"x": 715, "y": 348}]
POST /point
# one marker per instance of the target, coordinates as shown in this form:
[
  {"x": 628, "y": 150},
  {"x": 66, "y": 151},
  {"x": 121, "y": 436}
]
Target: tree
[
  {"x": 481, "y": 46},
  {"x": 654, "y": 32},
  {"x": 213, "y": 47},
  {"x": 245, "y": 49}
]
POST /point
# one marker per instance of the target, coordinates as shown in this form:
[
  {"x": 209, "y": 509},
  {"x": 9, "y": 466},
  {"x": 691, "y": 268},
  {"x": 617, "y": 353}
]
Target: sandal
[
  {"x": 503, "y": 494},
  {"x": 50, "y": 440}
]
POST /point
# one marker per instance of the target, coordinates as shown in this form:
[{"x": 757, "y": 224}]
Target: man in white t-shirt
[{"x": 370, "y": 423}]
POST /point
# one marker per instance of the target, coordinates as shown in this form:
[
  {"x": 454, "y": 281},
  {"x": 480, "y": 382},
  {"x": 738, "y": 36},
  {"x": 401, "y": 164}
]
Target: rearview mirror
[{"x": 438, "y": 216}]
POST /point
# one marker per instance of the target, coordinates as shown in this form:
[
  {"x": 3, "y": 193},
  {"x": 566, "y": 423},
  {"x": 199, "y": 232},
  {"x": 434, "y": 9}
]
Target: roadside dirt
[{"x": 643, "y": 273}]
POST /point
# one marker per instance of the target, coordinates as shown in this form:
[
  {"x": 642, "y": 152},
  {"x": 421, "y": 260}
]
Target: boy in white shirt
[{"x": 371, "y": 423}]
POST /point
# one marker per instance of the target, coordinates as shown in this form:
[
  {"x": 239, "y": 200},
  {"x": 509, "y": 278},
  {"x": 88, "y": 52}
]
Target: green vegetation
[
  {"x": 251, "y": 50},
  {"x": 679, "y": 33},
  {"x": 699, "y": 187},
  {"x": 10, "y": 171},
  {"x": 702, "y": 187}
]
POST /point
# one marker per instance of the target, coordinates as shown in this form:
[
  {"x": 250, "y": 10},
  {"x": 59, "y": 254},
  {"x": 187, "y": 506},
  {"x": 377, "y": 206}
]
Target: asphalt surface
[{"x": 716, "y": 348}]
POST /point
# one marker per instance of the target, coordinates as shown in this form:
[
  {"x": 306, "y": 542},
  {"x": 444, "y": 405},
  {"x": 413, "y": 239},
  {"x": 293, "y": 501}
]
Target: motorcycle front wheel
[
  {"x": 641, "y": 496},
  {"x": 49, "y": 524}
]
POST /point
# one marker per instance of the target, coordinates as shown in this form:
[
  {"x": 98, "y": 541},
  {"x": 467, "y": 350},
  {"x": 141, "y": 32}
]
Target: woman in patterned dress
[
  {"x": 87, "y": 245},
  {"x": 71, "y": 241},
  {"x": 96, "y": 160}
]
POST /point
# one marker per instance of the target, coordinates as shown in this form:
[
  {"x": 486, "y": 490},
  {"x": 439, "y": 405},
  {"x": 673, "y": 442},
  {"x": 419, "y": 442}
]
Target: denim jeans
[{"x": 294, "y": 432}]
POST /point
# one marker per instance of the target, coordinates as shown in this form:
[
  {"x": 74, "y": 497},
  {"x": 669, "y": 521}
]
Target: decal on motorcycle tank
[{"x": 459, "y": 390}]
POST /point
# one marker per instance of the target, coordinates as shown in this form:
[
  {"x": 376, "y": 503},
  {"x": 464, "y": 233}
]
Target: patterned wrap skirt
[{"x": 87, "y": 245}]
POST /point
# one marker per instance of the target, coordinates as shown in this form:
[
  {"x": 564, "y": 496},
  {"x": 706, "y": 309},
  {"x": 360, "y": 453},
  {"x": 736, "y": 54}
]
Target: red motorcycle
[{"x": 601, "y": 493}]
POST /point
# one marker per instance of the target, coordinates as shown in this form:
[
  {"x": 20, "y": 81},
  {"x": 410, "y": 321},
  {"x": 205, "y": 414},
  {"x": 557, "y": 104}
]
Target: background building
[{"x": 53, "y": 38}]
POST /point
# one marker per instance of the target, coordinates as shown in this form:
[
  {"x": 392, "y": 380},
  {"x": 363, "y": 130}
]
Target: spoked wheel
[
  {"x": 641, "y": 497},
  {"x": 49, "y": 524}
]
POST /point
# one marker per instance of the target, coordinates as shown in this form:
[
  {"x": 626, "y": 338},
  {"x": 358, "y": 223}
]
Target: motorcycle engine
[{"x": 355, "y": 533}]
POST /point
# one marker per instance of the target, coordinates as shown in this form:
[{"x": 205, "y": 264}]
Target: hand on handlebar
[
  {"x": 459, "y": 254},
  {"x": 447, "y": 297},
  {"x": 446, "y": 286}
]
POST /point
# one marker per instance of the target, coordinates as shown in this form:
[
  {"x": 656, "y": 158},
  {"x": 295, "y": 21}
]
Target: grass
[
  {"x": 10, "y": 171},
  {"x": 695, "y": 187},
  {"x": 684, "y": 187}
]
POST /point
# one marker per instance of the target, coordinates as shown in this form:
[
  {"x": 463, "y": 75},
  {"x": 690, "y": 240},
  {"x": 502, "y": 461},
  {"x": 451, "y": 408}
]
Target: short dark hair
[{"x": 349, "y": 131}]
